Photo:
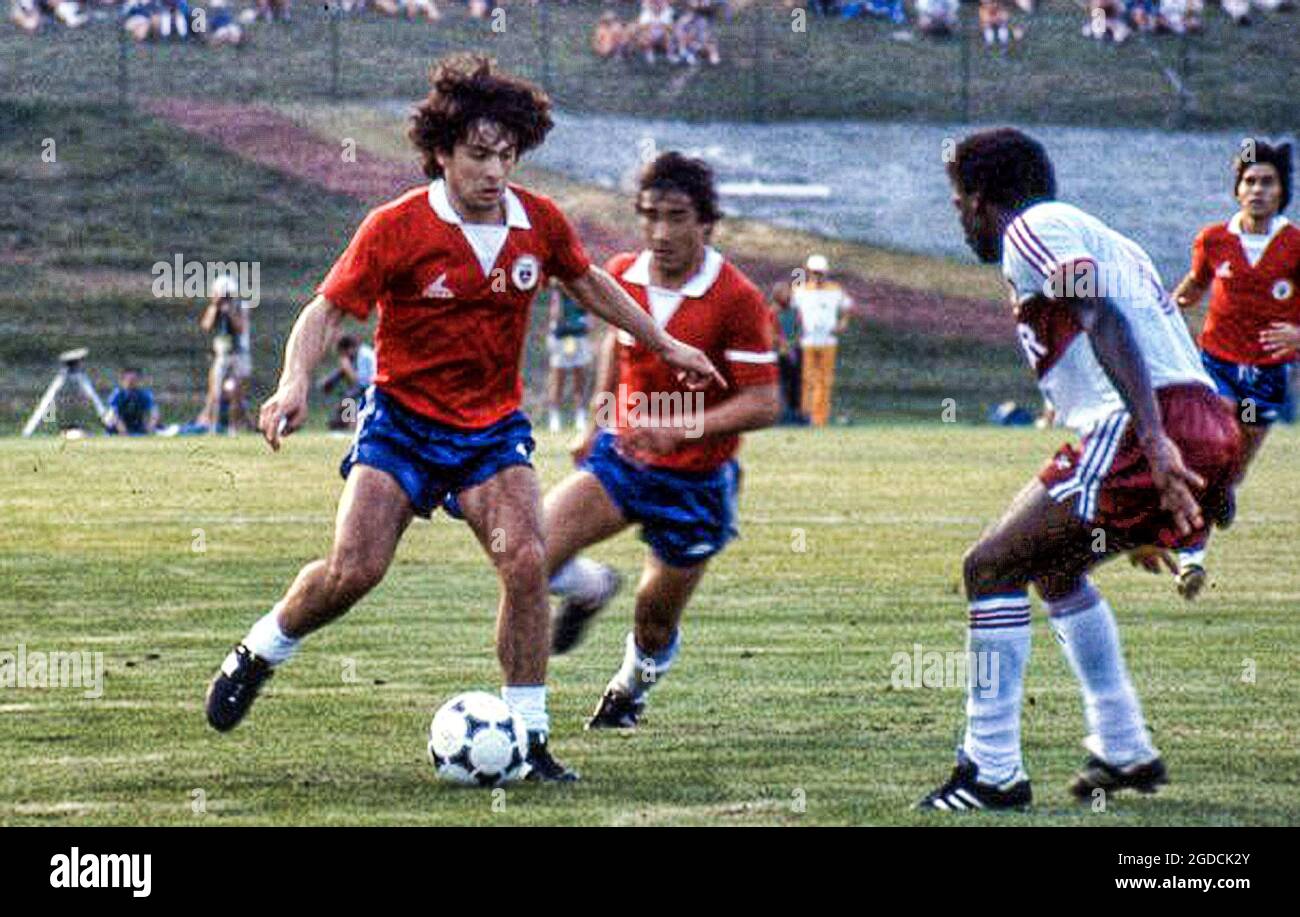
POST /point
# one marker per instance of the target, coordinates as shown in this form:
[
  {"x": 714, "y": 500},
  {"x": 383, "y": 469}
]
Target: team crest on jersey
[
  {"x": 525, "y": 272},
  {"x": 1283, "y": 289}
]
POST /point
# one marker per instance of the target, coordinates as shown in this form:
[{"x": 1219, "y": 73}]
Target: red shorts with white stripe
[{"x": 1110, "y": 481}]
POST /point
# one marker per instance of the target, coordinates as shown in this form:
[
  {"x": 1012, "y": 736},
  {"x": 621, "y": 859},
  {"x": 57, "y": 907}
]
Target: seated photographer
[
  {"x": 355, "y": 372},
  {"x": 131, "y": 407}
]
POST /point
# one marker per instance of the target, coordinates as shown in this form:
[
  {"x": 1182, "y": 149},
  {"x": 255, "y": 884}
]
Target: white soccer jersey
[{"x": 1057, "y": 250}]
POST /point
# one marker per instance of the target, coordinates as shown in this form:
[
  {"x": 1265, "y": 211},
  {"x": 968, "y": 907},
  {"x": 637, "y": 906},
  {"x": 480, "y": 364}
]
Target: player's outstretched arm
[
  {"x": 286, "y": 410},
  {"x": 1189, "y": 292},
  {"x": 1117, "y": 352},
  {"x": 600, "y": 293}
]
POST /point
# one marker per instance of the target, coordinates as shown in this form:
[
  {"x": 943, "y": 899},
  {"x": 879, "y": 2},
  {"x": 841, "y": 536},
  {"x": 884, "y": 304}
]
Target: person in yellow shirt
[{"x": 824, "y": 310}]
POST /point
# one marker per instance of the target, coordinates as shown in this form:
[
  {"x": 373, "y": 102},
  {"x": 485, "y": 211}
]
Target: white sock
[
  {"x": 581, "y": 578},
  {"x": 266, "y": 641},
  {"x": 580, "y": 419},
  {"x": 999, "y": 626},
  {"x": 1191, "y": 557},
  {"x": 1085, "y": 626},
  {"x": 641, "y": 671},
  {"x": 553, "y": 419},
  {"x": 530, "y": 701}
]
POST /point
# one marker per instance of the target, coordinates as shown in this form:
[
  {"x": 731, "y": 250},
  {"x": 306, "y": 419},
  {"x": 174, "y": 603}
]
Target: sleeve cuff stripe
[{"x": 750, "y": 356}]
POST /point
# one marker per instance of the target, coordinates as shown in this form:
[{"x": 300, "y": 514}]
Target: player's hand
[
  {"x": 695, "y": 370},
  {"x": 283, "y": 413},
  {"x": 1280, "y": 339},
  {"x": 580, "y": 445},
  {"x": 652, "y": 440},
  {"x": 1176, "y": 483},
  {"x": 1150, "y": 558}
]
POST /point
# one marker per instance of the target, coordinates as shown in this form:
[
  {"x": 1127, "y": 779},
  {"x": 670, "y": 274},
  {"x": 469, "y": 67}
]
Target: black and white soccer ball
[{"x": 477, "y": 739}]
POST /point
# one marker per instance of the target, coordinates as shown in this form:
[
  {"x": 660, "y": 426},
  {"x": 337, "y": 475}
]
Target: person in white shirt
[
  {"x": 1158, "y": 455},
  {"x": 824, "y": 309}
]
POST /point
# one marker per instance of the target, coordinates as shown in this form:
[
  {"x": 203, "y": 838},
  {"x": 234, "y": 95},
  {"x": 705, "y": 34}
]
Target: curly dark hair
[
  {"x": 671, "y": 171},
  {"x": 466, "y": 89},
  {"x": 1005, "y": 167},
  {"x": 1261, "y": 153}
]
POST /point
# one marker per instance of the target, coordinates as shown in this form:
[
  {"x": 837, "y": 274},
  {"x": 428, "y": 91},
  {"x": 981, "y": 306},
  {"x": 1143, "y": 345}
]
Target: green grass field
[
  {"x": 782, "y": 693},
  {"x": 771, "y": 69}
]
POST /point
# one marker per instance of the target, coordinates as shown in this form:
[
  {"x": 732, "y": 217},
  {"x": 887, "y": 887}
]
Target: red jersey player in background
[
  {"x": 1158, "y": 452},
  {"x": 452, "y": 268},
  {"x": 1251, "y": 266},
  {"x": 665, "y": 458}
]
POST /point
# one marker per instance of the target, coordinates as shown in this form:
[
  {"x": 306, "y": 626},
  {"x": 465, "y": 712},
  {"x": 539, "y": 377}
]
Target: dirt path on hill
[{"x": 270, "y": 139}]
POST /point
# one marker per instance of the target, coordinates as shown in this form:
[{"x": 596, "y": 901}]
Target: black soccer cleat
[
  {"x": 963, "y": 793},
  {"x": 1098, "y": 775},
  {"x": 570, "y": 620},
  {"x": 542, "y": 767},
  {"x": 616, "y": 710},
  {"x": 235, "y": 687}
]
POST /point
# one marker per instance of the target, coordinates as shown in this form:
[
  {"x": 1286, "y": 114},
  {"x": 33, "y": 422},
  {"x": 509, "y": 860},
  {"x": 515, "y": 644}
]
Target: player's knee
[
  {"x": 350, "y": 578},
  {"x": 977, "y": 567},
  {"x": 521, "y": 560}
]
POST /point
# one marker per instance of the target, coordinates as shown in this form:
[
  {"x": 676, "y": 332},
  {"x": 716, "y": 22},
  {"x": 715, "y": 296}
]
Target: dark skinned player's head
[
  {"x": 1262, "y": 178},
  {"x": 996, "y": 174},
  {"x": 474, "y": 126}
]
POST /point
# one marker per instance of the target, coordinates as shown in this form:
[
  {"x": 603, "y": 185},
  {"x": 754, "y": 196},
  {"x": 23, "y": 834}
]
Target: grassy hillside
[
  {"x": 79, "y": 236},
  {"x": 159, "y": 553},
  {"x": 770, "y": 69}
]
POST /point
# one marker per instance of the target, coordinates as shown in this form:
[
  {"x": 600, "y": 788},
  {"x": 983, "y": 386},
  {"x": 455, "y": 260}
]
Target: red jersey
[
  {"x": 1244, "y": 300},
  {"x": 453, "y": 298},
  {"x": 723, "y": 314}
]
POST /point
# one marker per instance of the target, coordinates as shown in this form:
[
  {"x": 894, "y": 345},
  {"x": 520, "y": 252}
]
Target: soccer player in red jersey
[
  {"x": 1251, "y": 266},
  {"x": 1158, "y": 452},
  {"x": 662, "y": 457},
  {"x": 452, "y": 269}
]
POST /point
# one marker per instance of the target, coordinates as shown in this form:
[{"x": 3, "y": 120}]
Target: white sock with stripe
[
  {"x": 1085, "y": 626},
  {"x": 999, "y": 627},
  {"x": 641, "y": 671}
]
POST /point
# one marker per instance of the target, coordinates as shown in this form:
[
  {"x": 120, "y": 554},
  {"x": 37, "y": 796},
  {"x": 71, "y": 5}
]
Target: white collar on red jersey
[
  {"x": 1277, "y": 224},
  {"x": 516, "y": 216},
  {"x": 639, "y": 273}
]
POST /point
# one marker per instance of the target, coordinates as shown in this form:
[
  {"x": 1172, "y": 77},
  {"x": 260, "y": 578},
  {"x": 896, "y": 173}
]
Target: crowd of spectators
[{"x": 685, "y": 34}]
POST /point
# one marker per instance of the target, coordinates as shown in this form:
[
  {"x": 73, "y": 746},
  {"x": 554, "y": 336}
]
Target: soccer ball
[{"x": 478, "y": 739}]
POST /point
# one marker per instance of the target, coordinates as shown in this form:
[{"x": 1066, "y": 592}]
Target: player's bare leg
[
  {"x": 372, "y": 515},
  {"x": 577, "y": 514},
  {"x": 505, "y": 514},
  {"x": 1042, "y": 542},
  {"x": 653, "y": 644}
]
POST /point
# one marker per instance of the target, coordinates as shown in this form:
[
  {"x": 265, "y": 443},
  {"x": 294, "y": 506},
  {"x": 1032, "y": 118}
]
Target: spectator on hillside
[
  {"x": 29, "y": 15},
  {"x": 610, "y": 37},
  {"x": 1179, "y": 16},
  {"x": 132, "y": 410},
  {"x": 222, "y": 26},
  {"x": 694, "y": 34},
  {"x": 995, "y": 24},
  {"x": 936, "y": 18},
  {"x": 137, "y": 18},
  {"x": 413, "y": 9},
  {"x": 273, "y": 10},
  {"x": 655, "y": 30},
  {"x": 1107, "y": 21}
]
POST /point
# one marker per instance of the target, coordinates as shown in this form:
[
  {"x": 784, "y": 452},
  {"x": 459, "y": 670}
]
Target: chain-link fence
[{"x": 777, "y": 63}]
